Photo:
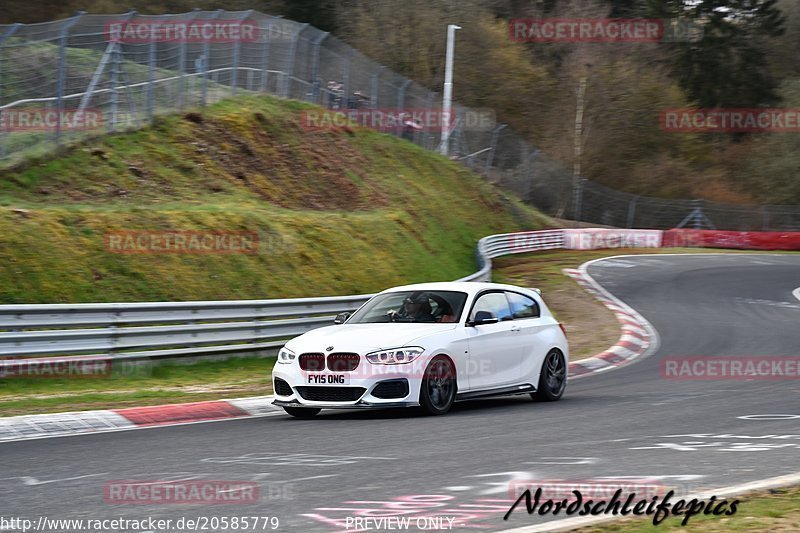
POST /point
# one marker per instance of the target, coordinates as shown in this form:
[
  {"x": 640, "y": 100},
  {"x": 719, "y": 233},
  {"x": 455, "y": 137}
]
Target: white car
[{"x": 426, "y": 345}]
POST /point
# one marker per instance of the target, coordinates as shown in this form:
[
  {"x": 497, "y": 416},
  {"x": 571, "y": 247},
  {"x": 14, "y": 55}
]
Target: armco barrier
[
  {"x": 742, "y": 240},
  {"x": 32, "y": 334},
  {"x": 160, "y": 330}
]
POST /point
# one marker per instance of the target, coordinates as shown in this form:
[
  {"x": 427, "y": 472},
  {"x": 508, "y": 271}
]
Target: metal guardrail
[
  {"x": 31, "y": 334},
  {"x": 511, "y": 243}
]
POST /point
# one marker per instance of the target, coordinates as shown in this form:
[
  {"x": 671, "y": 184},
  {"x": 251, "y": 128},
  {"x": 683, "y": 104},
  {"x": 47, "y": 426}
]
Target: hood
[{"x": 363, "y": 338}]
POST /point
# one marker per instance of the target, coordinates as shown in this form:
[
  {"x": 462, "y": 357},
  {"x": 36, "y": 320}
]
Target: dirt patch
[{"x": 284, "y": 165}]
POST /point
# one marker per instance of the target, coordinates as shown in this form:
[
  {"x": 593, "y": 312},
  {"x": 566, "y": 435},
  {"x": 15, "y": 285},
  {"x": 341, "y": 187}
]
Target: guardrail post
[
  {"x": 425, "y": 127},
  {"x": 114, "y": 339},
  {"x": 265, "y": 56},
  {"x": 401, "y": 94},
  {"x": 151, "y": 73},
  {"x": 495, "y": 136},
  {"x": 632, "y": 211},
  {"x": 237, "y": 51},
  {"x": 346, "y": 78},
  {"x": 206, "y": 61},
  {"x": 315, "y": 66},
  {"x": 62, "y": 71},
  {"x": 289, "y": 74},
  {"x": 112, "y": 124},
  {"x": 698, "y": 218},
  {"x": 579, "y": 199},
  {"x": 695, "y": 215},
  {"x": 182, "y": 62},
  {"x": 111, "y": 55},
  {"x": 116, "y": 67},
  {"x": 4, "y": 132},
  {"x": 8, "y": 33},
  {"x": 529, "y": 173},
  {"x": 373, "y": 98},
  {"x": 456, "y": 141},
  {"x": 401, "y": 100}
]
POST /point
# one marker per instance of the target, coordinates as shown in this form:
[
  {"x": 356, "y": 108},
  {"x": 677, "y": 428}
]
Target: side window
[
  {"x": 522, "y": 306},
  {"x": 493, "y": 302}
]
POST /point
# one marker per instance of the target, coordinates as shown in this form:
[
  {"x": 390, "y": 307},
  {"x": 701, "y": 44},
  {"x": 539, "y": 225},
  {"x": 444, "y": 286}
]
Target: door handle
[{"x": 516, "y": 328}]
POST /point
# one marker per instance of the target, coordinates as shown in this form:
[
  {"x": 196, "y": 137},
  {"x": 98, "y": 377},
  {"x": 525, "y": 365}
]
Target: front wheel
[
  {"x": 302, "y": 412},
  {"x": 438, "y": 390},
  {"x": 553, "y": 378}
]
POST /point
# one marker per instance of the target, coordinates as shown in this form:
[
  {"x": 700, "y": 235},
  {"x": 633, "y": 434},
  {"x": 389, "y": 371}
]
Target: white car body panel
[{"x": 506, "y": 355}]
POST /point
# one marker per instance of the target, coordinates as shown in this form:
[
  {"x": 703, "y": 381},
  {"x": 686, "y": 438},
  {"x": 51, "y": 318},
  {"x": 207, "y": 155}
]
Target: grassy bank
[{"x": 335, "y": 212}]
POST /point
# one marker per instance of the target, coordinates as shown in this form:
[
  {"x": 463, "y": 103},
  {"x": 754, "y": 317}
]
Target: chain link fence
[{"x": 64, "y": 80}]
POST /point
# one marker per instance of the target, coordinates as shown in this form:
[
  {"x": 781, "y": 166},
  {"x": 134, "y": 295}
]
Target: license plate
[{"x": 328, "y": 379}]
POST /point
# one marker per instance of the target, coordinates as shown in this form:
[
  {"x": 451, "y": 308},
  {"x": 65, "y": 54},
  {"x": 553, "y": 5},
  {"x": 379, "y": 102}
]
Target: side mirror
[
  {"x": 341, "y": 318},
  {"x": 483, "y": 317}
]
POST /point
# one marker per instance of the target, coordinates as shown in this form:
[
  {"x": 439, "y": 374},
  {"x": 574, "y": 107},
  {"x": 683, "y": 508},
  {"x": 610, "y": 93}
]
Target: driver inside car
[{"x": 416, "y": 308}]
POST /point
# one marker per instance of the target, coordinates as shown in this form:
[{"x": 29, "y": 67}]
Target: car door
[
  {"x": 494, "y": 349},
  {"x": 530, "y": 330}
]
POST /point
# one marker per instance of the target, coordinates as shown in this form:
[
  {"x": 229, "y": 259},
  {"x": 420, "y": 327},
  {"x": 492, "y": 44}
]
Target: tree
[
  {"x": 727, "y": 67},
  {"x": 319, "y": 13}
]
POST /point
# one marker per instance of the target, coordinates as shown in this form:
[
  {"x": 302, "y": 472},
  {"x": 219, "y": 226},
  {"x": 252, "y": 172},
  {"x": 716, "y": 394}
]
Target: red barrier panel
[{"x": 741, "y": 240}]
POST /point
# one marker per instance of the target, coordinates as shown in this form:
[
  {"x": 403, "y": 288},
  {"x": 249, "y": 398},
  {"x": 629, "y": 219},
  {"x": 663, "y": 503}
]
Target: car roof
[{"x": 470, "y": 287}]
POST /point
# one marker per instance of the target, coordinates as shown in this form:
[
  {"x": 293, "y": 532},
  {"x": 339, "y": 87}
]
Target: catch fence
[{"x": 88, "y": 66}]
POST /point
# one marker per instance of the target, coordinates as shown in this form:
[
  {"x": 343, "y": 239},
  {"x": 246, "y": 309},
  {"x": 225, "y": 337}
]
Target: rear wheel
[
  {"x": 438, "y": 390},
  {"x": 553, "y": 378},
  {"x": 302, "y": 412}
]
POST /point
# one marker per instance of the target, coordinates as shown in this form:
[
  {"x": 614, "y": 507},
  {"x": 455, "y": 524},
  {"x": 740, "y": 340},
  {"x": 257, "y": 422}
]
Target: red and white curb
[
  {"x": 638, "y": 339},
  {"x": 64, "y": 424}
]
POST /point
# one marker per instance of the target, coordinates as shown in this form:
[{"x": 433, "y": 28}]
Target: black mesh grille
[
  {"x": 282, "y": 388},
  {"x": 395, "y": 388},
  {"x": 343, "y": 362},
  {"x": 312, "y": 362},
  {"x": 331, "y": 394}
]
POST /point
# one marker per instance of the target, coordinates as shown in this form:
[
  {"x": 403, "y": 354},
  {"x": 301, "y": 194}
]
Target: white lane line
[
  {"x": 306, "y": 478},
  {"x": 796, "y": 293},
  {"x": 32, "y": 481},
  {"x": 768, "y": 417},
  {"x": 731, "y": 490}
]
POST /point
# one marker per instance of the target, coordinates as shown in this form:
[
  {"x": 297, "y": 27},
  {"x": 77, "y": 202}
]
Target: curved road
[{"x": 630, "y": 422}]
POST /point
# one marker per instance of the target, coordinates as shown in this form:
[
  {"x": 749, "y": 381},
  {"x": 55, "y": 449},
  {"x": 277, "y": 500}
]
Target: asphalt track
[{"x": 628, "y": 422}]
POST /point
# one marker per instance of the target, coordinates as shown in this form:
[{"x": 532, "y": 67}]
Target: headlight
[
  {"x": 286, "y": 356},
  {"x": 395, "y": 356}
]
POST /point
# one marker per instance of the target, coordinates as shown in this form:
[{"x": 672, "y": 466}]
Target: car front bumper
[{"x": 360, "y": 388}]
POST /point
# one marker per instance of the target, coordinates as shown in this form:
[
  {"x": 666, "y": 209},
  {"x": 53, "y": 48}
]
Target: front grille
[
  {"x": 312, "y": 362},
  {"x": 331, "y": 394},
  {"x": 343, "y": 362},
  {"x": 393, "y": 388},
  {"x": 282, "y": 388}
]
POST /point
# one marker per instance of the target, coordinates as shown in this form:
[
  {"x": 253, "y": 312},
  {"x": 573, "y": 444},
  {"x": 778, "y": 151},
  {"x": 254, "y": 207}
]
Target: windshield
[{"x": 412, "y": 306}]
